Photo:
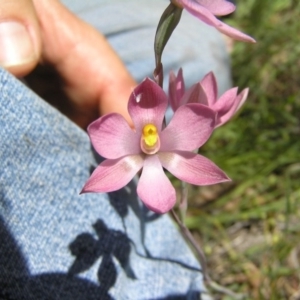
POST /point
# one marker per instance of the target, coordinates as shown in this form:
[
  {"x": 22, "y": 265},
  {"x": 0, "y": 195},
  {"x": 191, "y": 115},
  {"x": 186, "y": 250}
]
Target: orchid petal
[
  {"x": 217, "y": 7},
  {"x": 195, "y": 94},
  {"x": 147, "y": 105},
  {"x": 154, "y": 187},
  {"x": 176, "y": 89},
  {"x": 113, "y": 174},
  {"x": 192, "y": 168},
  {"x": 234, "y": 33},
  {"x": 237, "y": 102},
  {"x": 242, "y": 97},
  {"x": 226, "y": 101},
  {"x": 207, "y": 17},
  {"x": 182, "y": 133},
  {"x": 112, "y": 137},
  {"x": 224, "y": 105},
  {"x": 209, "y": 84}
]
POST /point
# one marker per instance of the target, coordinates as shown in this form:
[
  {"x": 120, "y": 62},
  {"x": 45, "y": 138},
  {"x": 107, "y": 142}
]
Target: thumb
[
  {"x": 92, "y": 75},
  {"x": 20, "y": 43}
]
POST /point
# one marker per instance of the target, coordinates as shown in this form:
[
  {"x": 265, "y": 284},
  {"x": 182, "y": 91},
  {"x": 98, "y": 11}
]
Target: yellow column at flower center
[{"x": 150, "y": 135}]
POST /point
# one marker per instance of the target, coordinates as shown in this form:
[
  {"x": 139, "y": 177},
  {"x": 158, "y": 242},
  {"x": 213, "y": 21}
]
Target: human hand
[{"x": 78, "y": 71}]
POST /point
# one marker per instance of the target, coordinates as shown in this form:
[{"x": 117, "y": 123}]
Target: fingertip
[
  {"x": 22, "y": 68},
  {"x": 115, "y": 98},
  {"x": 20, "y": 41}
]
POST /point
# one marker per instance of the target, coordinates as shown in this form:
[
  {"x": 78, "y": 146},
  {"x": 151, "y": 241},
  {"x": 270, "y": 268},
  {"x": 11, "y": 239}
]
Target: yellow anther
[
  {"x": 150, "y": 142},
  {"x": 150, "y": 135}
]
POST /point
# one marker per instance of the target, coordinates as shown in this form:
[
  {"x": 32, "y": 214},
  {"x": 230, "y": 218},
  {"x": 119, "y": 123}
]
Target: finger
[
  {"x": 94, "y": 77},
  {"x": 20, "y": 43}
]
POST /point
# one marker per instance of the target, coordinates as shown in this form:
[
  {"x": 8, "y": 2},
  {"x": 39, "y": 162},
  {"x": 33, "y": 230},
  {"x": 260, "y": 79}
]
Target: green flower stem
[
  {"x": 189, "y": 238},
  {"x": 167, "y": 23},
  {"x": 183, "y": 201},
  {"x": 202, "y": 259}
]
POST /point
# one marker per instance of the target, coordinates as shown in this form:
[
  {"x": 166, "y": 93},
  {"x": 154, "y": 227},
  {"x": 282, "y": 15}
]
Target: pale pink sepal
[
  {"x": 154, "y": 188},
  {"x": 147, "y": 104},
  {"x": 176, "y": 89},
  {"x": 209, "y": 85},
  {"x": 226, "y": 101},
  {"x": 112, "y": 137},
  {"x": 206, "y": 92},
  {"x": 113, "y": 174},
  {"x": 192, "y": 168},
  {"x": 189, "y": 129},
  {"x": 233, "y": 33},
  {"x": 234, "y": 102},
  {"x": 242, "y": 97},
  {"x": 217, "y": 7},
  {"x": 204, "y": 14},
  {"x": 195, "y": 94}
]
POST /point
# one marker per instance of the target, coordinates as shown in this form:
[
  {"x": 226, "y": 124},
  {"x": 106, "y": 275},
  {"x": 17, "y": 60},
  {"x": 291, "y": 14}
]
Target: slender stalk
[
  {"x": 201, "y": 256},
  {"x": 183, "y": 201},
  {"x": 189, "y": 237}
]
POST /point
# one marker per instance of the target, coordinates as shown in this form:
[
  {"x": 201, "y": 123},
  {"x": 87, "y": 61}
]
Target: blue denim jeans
[{"x": 57, "y": 244}]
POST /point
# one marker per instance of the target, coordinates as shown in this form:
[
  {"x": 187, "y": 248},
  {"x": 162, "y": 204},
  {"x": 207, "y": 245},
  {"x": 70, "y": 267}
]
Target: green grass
[{"x": 250, "y": 229}]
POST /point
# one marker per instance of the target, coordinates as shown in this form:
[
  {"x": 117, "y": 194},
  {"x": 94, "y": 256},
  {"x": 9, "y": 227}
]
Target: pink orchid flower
[
  {"x": 206, "y": 92},
  {"x": 151, "y": 147},
  {"x": 206, "y": 10}
]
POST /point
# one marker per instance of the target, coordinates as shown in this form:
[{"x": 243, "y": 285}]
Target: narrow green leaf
[{"x": 168, "y": 22}]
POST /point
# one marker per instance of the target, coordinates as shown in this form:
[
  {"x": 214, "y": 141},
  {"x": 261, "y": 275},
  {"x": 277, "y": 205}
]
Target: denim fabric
[{"x": 57, "y": 244}]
